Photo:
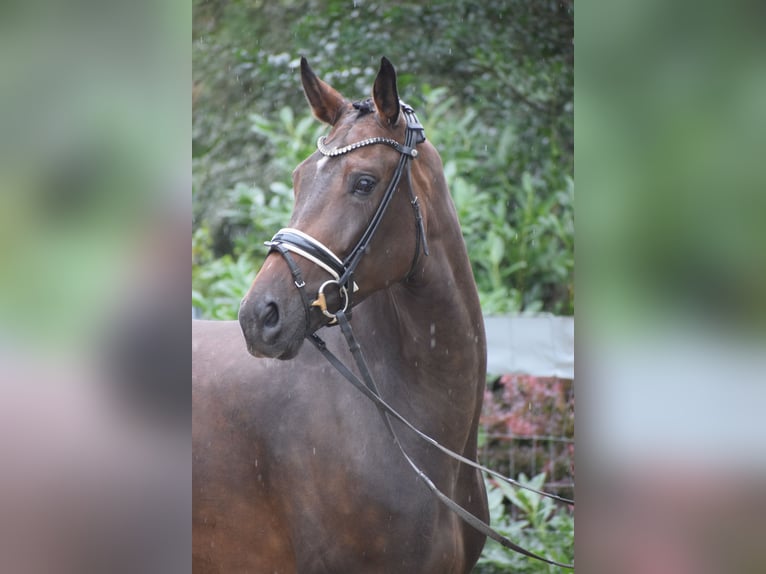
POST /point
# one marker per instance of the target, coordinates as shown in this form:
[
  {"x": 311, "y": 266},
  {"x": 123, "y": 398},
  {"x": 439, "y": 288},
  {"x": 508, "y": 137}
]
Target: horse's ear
[
  {"x": 384, "y": 93},
  {"x": 326, "y": 102}
]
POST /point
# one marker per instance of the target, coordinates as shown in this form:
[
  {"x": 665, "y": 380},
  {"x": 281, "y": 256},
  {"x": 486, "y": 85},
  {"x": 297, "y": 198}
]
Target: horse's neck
[
  {"x": 439, "y": 348},
  {"x": 439, "y": 306},
  {"x": 439, "y": 319}
]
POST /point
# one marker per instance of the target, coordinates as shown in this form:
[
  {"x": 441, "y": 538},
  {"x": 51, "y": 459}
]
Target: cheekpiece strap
[{"x": 413, "y": 124}]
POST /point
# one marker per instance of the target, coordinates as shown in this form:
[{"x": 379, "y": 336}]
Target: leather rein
[{"x": 288, "y": 240}]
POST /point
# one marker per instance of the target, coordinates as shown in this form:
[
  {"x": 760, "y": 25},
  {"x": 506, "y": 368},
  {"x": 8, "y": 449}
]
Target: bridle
[{"x": 289, "y": 240}]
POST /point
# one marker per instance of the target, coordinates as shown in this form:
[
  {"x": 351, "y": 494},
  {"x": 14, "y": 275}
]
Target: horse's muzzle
[{"x": 269, "y": 327}]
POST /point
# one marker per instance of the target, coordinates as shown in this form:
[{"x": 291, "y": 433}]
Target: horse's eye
[{"x": 364, "y": 185}]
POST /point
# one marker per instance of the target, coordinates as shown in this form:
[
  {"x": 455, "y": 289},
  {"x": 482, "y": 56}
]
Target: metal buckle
[{"x": 321, "y": 300}]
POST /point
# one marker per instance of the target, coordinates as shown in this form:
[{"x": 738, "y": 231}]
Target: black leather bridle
[{"x": 289, "y": 240}]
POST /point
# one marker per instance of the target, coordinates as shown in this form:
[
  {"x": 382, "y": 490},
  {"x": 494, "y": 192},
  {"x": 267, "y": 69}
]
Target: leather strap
[
  {"x": 413, "y": 135},
  {"x": 300, "y": 284},
  {"x": 309, "y": 248}
]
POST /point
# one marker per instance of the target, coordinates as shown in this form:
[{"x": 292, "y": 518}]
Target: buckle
[{"x": 321, "y": 300}]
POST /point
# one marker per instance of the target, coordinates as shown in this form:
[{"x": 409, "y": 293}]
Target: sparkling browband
[{"x": 324, "y": 150}]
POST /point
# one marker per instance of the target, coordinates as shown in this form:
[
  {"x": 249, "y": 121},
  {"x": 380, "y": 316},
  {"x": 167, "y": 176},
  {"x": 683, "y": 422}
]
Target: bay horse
[{"x": 294, "y": 470}]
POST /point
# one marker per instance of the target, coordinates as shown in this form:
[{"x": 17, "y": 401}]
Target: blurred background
[
  {"x": 94, "y": 223},
  {"x": 670, "y": 132}
]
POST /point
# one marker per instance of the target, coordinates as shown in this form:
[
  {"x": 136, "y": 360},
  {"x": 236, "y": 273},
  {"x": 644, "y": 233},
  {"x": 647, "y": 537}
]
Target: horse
[{"x": 295, "y": 470}]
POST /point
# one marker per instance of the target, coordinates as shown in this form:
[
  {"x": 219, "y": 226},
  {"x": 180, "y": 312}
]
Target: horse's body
[{"x": 294, "y": 469}]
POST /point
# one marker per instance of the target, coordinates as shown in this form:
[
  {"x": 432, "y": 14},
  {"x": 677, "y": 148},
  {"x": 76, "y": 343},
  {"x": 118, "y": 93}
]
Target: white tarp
[{"x": 540, "y": 345}]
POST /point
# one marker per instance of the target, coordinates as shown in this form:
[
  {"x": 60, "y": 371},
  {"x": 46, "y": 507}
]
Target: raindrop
[{"x": 314, "y": 450}]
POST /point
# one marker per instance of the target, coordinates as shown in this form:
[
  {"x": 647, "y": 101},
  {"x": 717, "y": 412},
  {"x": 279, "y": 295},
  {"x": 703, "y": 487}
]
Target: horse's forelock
[{"x": 364, "y": 106}]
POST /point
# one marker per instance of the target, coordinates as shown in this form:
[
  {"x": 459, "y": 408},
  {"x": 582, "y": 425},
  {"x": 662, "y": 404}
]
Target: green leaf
[{"x": 496, "y": 248}]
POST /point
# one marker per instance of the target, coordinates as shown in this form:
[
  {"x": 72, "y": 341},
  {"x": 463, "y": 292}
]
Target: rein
[
  {"x": 369, "y": 390},
  {"x": 288, "y": 240}
]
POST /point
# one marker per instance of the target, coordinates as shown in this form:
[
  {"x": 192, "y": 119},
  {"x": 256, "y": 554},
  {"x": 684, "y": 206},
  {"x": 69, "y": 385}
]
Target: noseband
[{"x": 289, "y": 240}]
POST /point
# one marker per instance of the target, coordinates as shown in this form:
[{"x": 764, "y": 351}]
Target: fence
[{"x": 528, "y": 420}]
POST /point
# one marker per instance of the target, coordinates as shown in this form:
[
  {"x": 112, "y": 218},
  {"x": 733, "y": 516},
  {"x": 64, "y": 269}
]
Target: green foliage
[
  {"x": 221, "y": 286},
  {"x": 492, "y": 83},
  {"x": 290, "y": 139},
  {"x": 520, "y": 235},
  {"x": 532, "y": 521},
  {"x": 218, "y": 284},
  {"x": 521, "y": 256}
]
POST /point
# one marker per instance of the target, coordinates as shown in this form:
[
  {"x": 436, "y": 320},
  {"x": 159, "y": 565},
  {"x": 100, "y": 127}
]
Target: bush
[
  {"x": 519, "y": 238},
  {"x": 492, "y": 82},
  {"x": 527, "y": 425},
  {"x": 538, "y": 524}
]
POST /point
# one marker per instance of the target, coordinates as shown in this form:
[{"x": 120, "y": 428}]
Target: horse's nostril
[{"x": 271, "y": 315}]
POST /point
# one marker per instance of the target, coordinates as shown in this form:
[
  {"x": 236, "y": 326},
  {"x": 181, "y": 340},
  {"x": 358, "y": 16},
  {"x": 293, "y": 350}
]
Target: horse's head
[{"x": 355, "y": 227}]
